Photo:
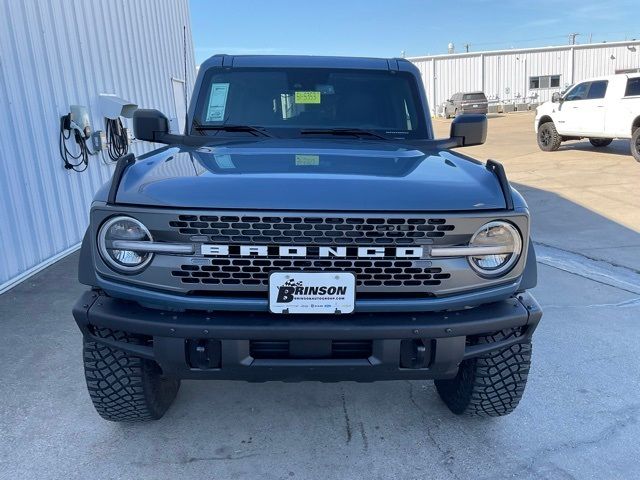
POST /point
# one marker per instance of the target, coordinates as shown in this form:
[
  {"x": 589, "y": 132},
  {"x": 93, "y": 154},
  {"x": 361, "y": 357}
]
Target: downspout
[
  {"x": 433, "y": 86},
  {"x": 526, "y": 82},
  {"x": 482, "y": 72},
  {"x": 573, "y": 55}
]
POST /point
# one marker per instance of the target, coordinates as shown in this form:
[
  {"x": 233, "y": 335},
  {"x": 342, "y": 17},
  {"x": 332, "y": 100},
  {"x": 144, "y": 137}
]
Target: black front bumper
[{"x": 264, "y": 346}]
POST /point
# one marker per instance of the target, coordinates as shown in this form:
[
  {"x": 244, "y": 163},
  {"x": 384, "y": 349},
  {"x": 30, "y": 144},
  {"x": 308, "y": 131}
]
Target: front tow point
[{"x": 413, "y": 354}]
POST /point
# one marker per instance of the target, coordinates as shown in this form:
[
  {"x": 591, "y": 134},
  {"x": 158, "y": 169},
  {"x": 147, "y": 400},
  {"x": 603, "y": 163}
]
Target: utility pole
[
  {"x": 466, "y": 47},
  {"x": 572, "y": 38}
]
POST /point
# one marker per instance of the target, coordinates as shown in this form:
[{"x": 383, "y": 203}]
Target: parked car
[
  {"x": 307, "y": 226},
  {"x": 599, "y": 109},
  {"x": 470, "y": 102}
]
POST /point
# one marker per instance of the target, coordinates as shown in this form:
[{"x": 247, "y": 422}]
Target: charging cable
[
  {"x": 117, "y": 141},
  {"x": 78, "y": 162}
]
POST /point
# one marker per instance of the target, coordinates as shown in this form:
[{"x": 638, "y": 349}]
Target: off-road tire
[
  {"x": 600, "y": 142},
  {"x": 635, "y": 144},
  {"x": 492, "y": 384},
  {"x": 124, "y": 387},
  {"x": 549, "y": 139}
]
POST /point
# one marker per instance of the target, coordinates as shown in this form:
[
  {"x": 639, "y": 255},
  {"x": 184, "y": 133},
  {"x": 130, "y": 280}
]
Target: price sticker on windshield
[
  {"x": 307, "y": 97},
  {"x": 217, "y": 102}
]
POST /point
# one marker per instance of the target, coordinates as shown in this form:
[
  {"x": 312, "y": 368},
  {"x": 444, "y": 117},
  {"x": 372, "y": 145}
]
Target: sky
[{"x": 386, "y": 28}]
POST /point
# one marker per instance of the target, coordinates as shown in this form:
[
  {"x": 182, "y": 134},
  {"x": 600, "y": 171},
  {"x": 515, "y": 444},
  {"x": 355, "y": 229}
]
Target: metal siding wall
[
  {"x": 462, "y": 74},
  {"x": 54, "y": 53},
  {"x": 426, "y": 72},
  {"x": 511, "y": 70},
  {"x": 598, "y": 61}
]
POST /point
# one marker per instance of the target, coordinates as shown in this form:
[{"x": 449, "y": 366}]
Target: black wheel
[
  {"x": 123, "y": 387},
  {"x": 635, "y": 144},
  {"x": 490, "y": 385},
  {"x": 548, "y": 137},
  {"x": 600, "y": 142}
]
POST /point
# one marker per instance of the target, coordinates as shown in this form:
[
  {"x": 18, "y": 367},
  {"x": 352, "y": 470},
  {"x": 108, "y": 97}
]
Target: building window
[{"x": 544, "y": 81}]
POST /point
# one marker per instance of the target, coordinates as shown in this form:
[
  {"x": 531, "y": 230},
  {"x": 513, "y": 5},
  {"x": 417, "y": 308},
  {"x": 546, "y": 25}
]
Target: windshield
[{"x": 297, "y": 99}]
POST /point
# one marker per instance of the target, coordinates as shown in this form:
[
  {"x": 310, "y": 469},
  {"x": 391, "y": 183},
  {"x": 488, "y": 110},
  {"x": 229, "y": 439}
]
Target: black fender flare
[
  {"x": 530, "y": 273},
  {"x": 86, "y": 268}
]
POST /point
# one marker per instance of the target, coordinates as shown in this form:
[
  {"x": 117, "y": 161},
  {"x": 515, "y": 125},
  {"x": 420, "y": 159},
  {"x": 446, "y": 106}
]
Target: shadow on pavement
[
  {"x": 617, "y": 147},
  {"x": 566, "y": 225}
]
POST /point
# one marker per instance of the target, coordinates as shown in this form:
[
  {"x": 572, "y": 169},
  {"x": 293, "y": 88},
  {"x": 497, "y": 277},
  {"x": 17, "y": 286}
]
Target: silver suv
[{"x": 469, "y": 102}]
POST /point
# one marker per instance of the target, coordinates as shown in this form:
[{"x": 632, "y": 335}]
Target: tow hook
[{"x": 414, "y": 354}]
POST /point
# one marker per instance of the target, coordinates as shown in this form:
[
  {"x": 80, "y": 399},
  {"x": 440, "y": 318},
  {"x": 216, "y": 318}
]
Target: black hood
[{"x": 340, "y": 175}]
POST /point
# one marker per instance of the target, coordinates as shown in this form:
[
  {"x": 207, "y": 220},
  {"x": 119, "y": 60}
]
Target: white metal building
[
  {"x": 523, "y": 75},
  {"x": 56, "y": 53}
]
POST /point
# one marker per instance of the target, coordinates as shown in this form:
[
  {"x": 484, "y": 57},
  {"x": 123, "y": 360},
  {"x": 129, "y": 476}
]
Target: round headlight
[
  {"x": 508, "y": 241},
  {"x": 123, "y": 228}
]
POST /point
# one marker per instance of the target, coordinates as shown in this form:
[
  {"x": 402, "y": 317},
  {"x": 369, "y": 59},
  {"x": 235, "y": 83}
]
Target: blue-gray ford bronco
[{"x": 306, "y": 225}]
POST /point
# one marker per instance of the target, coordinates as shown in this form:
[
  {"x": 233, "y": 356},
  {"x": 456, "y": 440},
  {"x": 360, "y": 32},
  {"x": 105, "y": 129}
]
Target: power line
[{"x": 512, "y": 43}]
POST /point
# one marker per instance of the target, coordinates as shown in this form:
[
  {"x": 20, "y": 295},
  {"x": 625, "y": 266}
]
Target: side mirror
[
  {"x": 150, "y": 125},
  {"x": 556, "y": 97},
  {"x": 469, "y": 130}
]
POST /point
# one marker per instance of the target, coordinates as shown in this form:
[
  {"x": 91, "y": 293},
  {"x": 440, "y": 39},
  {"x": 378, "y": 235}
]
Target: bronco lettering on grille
[{"x": 316, "y": 252}]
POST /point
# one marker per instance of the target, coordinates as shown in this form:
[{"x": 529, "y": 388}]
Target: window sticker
[
  {"x": 307, "y": 160},
  {"x": 224, "y": 161},
  {"x": 217, "y": 102},
  {"x": 307, "y": 97}
]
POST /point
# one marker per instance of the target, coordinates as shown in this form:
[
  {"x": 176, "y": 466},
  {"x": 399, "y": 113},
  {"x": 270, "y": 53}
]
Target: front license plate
[
  {"x": 475, "y": 106},
  {"x": 312, "y": 292}
]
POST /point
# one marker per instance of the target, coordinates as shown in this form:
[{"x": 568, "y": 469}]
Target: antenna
[{"x": 186, "y": 104}]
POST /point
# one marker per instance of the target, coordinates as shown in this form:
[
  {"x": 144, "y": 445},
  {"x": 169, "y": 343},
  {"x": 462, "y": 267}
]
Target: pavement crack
[
  {"x": 363, "y": 434},
  {"x": 622, "y": 418},
  {"x": 593, "y": 259},
  {"x": 188, "y": 460},
  {"x": 347, "y": 420},
  {"x": 448, "y": 458},
  {"x": 600, "y": 271},
  {"x": 634, "y": 302}
]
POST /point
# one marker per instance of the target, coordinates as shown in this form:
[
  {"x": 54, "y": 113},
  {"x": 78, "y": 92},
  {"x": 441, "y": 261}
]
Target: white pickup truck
[{"x": 599, "y": 109}]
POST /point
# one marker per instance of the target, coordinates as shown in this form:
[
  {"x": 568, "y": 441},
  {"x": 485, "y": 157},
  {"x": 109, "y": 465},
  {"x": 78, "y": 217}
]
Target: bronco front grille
[
  {"x": 326, "y": 230},
  {"x": 390, "y": 272},
  {"x": 255, "y": 271}
]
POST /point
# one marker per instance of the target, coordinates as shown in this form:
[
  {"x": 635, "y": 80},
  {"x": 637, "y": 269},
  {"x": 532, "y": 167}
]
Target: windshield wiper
[
  {"x": 353, "y": 132},
  {"x": 232, "y": 128}
]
